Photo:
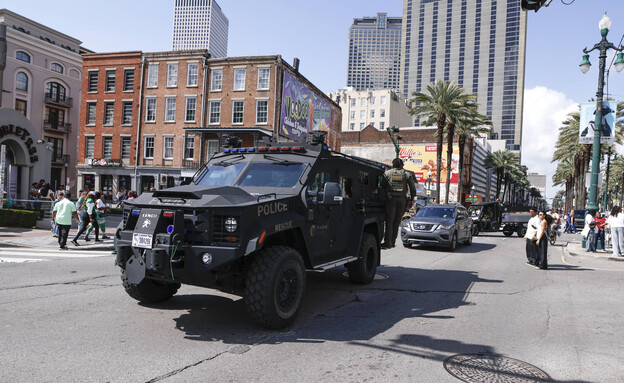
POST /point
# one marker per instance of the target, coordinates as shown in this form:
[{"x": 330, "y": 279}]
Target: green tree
[{"x": 500, "y": 161}]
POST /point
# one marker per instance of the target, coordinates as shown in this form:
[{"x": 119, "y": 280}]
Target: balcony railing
[
  {"x": 56, "y": 127},
  {"x": 67, "y": 102},
  {"x": 190, "y": 164},
  {"x": 62, "y": 159}
]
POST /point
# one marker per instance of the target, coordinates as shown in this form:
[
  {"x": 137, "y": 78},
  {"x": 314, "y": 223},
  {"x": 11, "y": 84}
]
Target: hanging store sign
[{"x": 102, "y": 162}]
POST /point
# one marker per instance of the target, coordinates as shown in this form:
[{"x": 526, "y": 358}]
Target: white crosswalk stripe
[
  {"x": 52, "y": 253},
  {"x": 19, "y": 260}
]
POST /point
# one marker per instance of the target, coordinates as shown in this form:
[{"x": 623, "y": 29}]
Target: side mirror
[{"x": 332, "y": 194}]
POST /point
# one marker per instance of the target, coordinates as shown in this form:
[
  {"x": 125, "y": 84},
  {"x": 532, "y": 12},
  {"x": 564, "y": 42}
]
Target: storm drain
[{"x": 480, "y": 368}]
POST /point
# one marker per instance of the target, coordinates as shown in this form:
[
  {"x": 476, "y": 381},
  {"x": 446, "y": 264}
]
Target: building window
[
  {"x": 372, "y": 100},
  {"x": 382, "y": 113},
  {"x": 353, "y": 102},
  {"x": 353, "y": 114},
  {"x": 168, "y": 148},
  {"x": 239, "y": 78},
  {"x": 91, "y": 113},
  {"x": 215, "y": 112},
  {"x": 128, "y": 80},
  {"x": 150, "y": 109},
  {"x": 22, "y": 56},
  {"x": 109, "y": 111},
  {"x": 383, "y": 100},
  {"x": 20, "y": 106},
  {"x": 172, "y": 75},
  {"x": 152, "y": 76},
  {"x": 362, "y": 114},
  {"x": 372, "y": 124},
  {"x": 372, "y": 113},
  {"x": 238, "y": 108},
  {"x": 89, "y": 147},
  {"x": 110, "y": 80},
  {"x": 352, "y": 126},
  {"x": 362, "y": 101},
  {"x": 264, "y": 76},
  {"x": 55, "y": 91},
  {"x": 170, "y": 107},
  {"x": 107, "y": 147},
  {"x": 382, "y": 125},
  {"x": 212, "y": 147},
  {"x": 126, "y": 118},
  {"x": 189, "y": 147},
  {"x": 21, "y": 82},
  {"x": 191, "y": 78},
  {"x": 56, "y": 67},
  {"x": 93, "y": 80},
  {"x": 191, "y": 106},
  {"x": 216, "y": 79},
  {"x": 54, "y": 117},
  {"x": 125, "y": 148},
  {"x": 57, "y": 148},
  {"x": 262, "y": 111},
  {"x": 148, "y": 147},
  {"x": 361, "y": 125}
]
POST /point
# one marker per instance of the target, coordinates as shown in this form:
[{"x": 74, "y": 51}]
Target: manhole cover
[
  {"x": 378, "y": 276},
  {"x": 492, "y": 368}
]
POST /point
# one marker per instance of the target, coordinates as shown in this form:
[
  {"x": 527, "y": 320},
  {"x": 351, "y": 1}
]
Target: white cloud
[{"x": 544, "y": 112}]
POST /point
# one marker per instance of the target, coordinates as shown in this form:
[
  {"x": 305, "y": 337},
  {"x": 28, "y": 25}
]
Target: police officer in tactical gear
[{"x": 396, "y": 182}]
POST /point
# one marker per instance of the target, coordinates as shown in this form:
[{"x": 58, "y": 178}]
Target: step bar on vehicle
[{"x": 332, "y": 264}]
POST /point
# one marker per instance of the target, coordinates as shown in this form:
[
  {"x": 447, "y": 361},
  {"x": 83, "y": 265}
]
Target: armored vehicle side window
[
  {"x": 221, "y": 174},
  {"x": 320, "y": 179},
  {"x": 264, "y": 174},
  {"x": 347, "y": 187},
  {"x": 363, "y": 177}
]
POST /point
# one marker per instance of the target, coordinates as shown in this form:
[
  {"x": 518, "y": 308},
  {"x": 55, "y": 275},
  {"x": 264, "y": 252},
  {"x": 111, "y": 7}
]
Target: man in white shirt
[{"x": 531, "y": 237}]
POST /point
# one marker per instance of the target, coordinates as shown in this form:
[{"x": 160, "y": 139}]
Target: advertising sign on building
[
  {"x": 421, "y": 159},
  {"x": 302, "y": 110},
  {"x": 588, "y": 120}
]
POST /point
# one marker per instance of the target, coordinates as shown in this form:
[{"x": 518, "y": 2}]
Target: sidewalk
[
  {"x": 41, "y": 237},
  {"x": 574, "y": 248}
]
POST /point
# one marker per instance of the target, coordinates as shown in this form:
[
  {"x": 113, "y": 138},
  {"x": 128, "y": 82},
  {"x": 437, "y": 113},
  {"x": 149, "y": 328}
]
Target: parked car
[
  {"x": 485, "y": 217},
  {"x": 438, "y": 225}
]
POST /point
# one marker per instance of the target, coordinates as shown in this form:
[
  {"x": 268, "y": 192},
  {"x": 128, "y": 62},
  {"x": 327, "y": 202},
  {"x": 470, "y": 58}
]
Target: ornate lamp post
[
  {"x": 394, "y": 136},
  {"x": 602, "y": 46}
]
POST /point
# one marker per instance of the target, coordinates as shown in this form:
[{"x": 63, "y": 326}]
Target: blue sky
[{"x": 317, "y": 33}]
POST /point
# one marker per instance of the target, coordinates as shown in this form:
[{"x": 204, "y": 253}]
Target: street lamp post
[
  {"x": 602, "y": 46},
  {"x": 394, "y": 136}
]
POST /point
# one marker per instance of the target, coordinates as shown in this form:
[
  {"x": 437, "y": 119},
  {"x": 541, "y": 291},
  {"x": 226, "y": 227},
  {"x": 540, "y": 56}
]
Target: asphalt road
[{"x": 67, "y": 319}]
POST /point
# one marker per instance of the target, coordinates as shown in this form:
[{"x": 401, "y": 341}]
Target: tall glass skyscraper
[
  {"x": 478, "y": 44},
  {"x": 374, "y": 53},
  {"x": 200, "y": 24}
]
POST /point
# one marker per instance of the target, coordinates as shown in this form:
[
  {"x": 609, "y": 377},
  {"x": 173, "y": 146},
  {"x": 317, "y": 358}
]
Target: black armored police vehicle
[{"x": 251, "y": 222}]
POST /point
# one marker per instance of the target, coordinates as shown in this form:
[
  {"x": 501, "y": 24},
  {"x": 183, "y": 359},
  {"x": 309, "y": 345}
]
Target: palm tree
[
  {"x": 441, "y": 99},
  {"x": 500, "y": 161},
  {"x": 564, "y": 175},
  {"x": 467, "y": 128}
]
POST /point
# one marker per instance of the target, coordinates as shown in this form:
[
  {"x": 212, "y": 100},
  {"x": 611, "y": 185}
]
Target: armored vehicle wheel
[
  {"x": 475, "y": 230},
  {"x": 453, "y": 244},
  {"x": 149, "y": 291},
  {"x": 507, "y": 231},
  {"x": 522, "y": 231},
  {"x": 274, "y": 286},
  {"x": 407, "y": 245},
  {"x": 363, "y": 270}
]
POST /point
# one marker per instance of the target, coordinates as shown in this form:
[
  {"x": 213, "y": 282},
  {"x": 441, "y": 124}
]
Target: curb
[{"x": 588, "y": 255}]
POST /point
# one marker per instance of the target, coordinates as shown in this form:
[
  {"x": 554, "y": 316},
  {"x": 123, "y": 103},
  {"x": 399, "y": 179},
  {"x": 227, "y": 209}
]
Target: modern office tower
[
  {"x": 374, "y": 53},
  {"x": 200, "y": 24},
  {"x": 480, "y": 45}
]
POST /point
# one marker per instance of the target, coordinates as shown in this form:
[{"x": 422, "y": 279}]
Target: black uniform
[{"x": 397, "y": 181}]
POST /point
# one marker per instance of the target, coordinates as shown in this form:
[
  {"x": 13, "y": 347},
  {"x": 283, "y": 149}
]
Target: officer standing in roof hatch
[{"x": 396, "y": 182}]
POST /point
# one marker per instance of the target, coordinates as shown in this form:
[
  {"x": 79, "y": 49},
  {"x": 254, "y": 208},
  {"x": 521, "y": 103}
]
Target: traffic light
[{"x": 532, "y": 5}]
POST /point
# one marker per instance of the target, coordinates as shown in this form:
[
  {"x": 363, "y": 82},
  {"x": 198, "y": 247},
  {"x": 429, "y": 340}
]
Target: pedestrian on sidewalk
[
  {"x": 542, "y": 242},
  {"x": 101, "y": 208},
  {"x": 570, "y": 218},
  {"x": 87, "y": 209},
  {"x": 590, "y": 231},
  {"x": 62, "y": 215},
  {"x": 55, "y": 232},
  {"x": 616, "y": 223},
  {"x": 601, "y": 223},
  {"x": 530, "y": 237}
]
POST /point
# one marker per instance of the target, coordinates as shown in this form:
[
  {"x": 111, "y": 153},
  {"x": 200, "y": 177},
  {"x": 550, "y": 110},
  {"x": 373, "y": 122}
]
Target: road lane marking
[
  {"x": 56, "y": 254},
  {"x": 19, "y": 260}
]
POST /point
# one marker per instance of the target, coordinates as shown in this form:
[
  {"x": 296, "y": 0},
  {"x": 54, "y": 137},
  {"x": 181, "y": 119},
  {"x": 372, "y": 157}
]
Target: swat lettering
[{"x": 272, "y": 208}]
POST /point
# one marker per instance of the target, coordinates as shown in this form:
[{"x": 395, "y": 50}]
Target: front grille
[
  {"x": 222, "y": 237},
  {"x": 421, "y": 226}
]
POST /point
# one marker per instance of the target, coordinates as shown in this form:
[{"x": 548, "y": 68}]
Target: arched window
[
  {"x": 22, "y": 56},
  {"x": 56, "y": 67},
  {"x": 55, "y": 91},
  {"x": 21, "y": 82}
]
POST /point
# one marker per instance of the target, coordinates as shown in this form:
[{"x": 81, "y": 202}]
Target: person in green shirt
[{"x": 62, "y": 215}]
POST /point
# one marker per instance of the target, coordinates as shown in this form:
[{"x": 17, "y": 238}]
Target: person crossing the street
[
  {"x": 396, "y": 182},
  {"x": 64, "y": 209},
  {"x": 88, "y": 216}
]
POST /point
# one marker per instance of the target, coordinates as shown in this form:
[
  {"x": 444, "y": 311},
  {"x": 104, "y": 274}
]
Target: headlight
[
  {"x": 231, "y": 225},
  {"x": 447, "y": 227}
]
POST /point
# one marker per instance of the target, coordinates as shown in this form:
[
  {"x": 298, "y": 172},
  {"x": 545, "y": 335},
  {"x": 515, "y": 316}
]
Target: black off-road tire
[
  {"x": 453, "y": 244},
  {"x": 274, "y": 286},
  {"x": 362, "y": 271},
  {"x": 149, "y": 291},
  {"x": 468, "y": 241},
  {"x": 507, "y": 232}
]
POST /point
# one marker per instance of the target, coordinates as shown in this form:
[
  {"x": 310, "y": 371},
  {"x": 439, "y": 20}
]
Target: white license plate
[{"x": 142, "y": 240}]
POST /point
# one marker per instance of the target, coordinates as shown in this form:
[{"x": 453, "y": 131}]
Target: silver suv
[{"x": 438, "y": 225}]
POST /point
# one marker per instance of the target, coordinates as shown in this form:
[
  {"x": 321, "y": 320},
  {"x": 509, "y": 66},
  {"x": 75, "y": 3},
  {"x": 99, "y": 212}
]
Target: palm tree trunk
[
  {"x": 499, "y": 179},
  {"x": 450, "y": 129},
  {"x": 440, "y": 122},
  {"x": 460, "y": 181},
  {"x": 506, "y": 181}
]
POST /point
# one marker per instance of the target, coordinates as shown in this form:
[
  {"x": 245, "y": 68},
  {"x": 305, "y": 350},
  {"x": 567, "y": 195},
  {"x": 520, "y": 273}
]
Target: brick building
[{"x": 188, "y": 106}]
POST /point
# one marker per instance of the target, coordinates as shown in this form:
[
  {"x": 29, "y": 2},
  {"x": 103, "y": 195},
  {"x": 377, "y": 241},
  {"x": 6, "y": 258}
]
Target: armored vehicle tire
[
  {"x": 475, "y": 230},
  {"x": 521, "y": 231},
  {"x": 149, "y": 291},
  {"x": 274, "y": 286},
  {"x": 362, "y": 271},
  {"x": 407, "y": 245},
  {"x": 508, "y": 232},
  {"x": 453, "y": 243}
]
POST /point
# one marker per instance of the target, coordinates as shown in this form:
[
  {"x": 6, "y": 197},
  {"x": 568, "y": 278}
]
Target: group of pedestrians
[
  {"x": 596, "y": 226},
  {"x": 537, "y": 240}
]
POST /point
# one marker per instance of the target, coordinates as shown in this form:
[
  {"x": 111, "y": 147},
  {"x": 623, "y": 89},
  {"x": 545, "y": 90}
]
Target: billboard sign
[
  {"x": 588, "y": 119},
  {"x": 421, "y": 159},
  {"x": 302, "y": 110}
]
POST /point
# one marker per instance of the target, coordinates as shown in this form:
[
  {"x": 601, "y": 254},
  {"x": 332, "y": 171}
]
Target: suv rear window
[{"x": 436, "y": 212}]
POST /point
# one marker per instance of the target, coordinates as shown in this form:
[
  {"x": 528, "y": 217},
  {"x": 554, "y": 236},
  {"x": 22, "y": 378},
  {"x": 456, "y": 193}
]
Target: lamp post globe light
[{"x": 602, "y": 47}]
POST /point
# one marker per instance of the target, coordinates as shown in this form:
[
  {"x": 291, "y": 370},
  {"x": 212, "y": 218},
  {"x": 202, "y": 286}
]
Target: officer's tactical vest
[{"x": 397, "y": 180}]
